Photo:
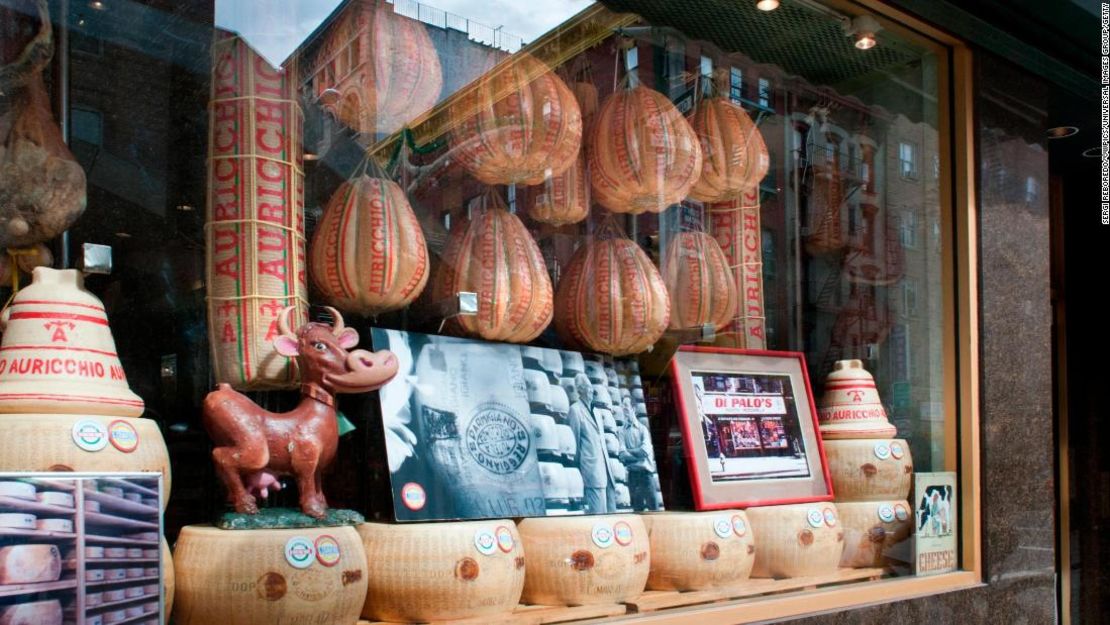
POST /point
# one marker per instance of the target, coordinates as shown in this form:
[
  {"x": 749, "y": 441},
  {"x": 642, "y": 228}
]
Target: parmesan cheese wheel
[
  {"x": 796, "y": 540},
  {"x": 47, "y": 443},
  {"x": 584, "y": 560},
  {"x": 116, "y": 594},
  {"x": 115, "y": 574},
  {"x": 133, "y": 591},
  {"x": 115, "y": 552},
  {"x": 699, "y": 281},
  {"x": 249, "y": 574},
  {"x": 115, "y": 616},
  {"x": 699, "y": 550},
  {"x": 135, "y": 572},
  {"x": 872, "y": 529},
  {"x": 167, "y": 578},
  {"x": 17, "y": 520},
  {"x": 94, "y": 619},
  {"x": 54, "y": 525},
  {"x": 94, "y": 575},
  {"x": 148, "y": 553},
  {"x": 94, "y": 598},
  {"x": 19, "y": 490},
  {"x": 425, "y": 572},
  {"x": 134, "y": 552},
  {"x": 37, "y": 613},
  {"x": 94, "y": 552},
  {"x": 30, "y": 564},
  {"x": 53, "y": 498},
  {"x": 869, "y": 469}
]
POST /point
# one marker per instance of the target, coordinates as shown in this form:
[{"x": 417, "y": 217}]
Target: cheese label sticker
[
  {"x": 882, "y": 451},
  {"x": 622, "y": 533},
  {"x": 739, "y": 527},
  {"x": 413, "y": 496},
  {"x": 886, "y": 513},
  {"x": 90, "y": 435},
  {"x": 815, "y": 517},
  {"x": 327, "y": 550},
  {"x": 722, "y": 526},
  {"x": 485, "y": 542},
  {"x": 300, "y": 552},
  {"x": 897, "y": 451},
  {"x": 602, "y": 535},
  {"x": 123, "y": 436},
  {"x": 830, "y": 517},
  {"x": 504, "y": 538},
  {"x": 901, "y": 512}
]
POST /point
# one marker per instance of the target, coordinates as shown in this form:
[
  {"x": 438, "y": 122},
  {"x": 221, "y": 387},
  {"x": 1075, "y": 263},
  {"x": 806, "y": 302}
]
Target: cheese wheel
[
  {"x": 424, "y": 572},
  {"x": 796, "y": 540},
  {"x": 135, "y": 497},
  {"x": 19, "y": 490},
  {"x": 30, "y": 564},
  {"x": 116, "y": 594},
  {"x": 873, "y": 530},
  {"x": 134, "y": 552},
  {"x": 150, "y": 589},
  {"x": 149, "y": 553},
  {"x": 150, "y": 571},
  {"x": 869, "y": 469},
  {"x": 135, "y": 572},
  {"x": 94, "y": 619},
  {"x": 699, "y": 550},
  {"x": 94, "y": 575},
  {"x": 134, "y": 591},
  {"x": 584, "y": 560},
  {"x": 46, "y": 443},
  {"x": 94, "y": 598},
  {"x": 54, "y": 525},
  {"x": 115, "y": 574},
  {"x": 247, "y": 573},
  {"x": 150, "y": 608},
  {"x": 92, "y": 506},
  {"x": 94, "y": 552},
  {"x": 134, "y": 610},
  {"x": 37, "y": 613},
  {"x": 17, "y": 520},
  {"x": 115, "y": 552},
  {"x": 115, "y": 616},
  {"x": 114, "y": 491},
  {"x": 54, "y": 498}
]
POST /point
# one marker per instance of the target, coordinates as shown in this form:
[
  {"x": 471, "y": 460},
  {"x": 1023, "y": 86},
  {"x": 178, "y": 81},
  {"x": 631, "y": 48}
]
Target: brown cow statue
[{"x": 254, "y": 446}]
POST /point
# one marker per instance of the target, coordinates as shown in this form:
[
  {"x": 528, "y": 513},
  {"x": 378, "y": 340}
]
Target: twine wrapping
[{"x": 255, "y": 216}]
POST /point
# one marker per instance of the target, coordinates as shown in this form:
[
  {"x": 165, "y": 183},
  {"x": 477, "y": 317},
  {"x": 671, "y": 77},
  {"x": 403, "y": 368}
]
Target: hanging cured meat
[
  {"x": 558, "y": 200},
  {"x": 518, "y": 124},
  {"x": 734, "y": 156},
  {"x": 699, "y": 281},
  {"x": 377, "y": 70},
  {"x": 644, "y": 155},
  {"x": 368, "y": 254},
  {"x": 493, "y": 255},
  {"x": 611, "y": 298},
  {"x": 42, "y": 188}
]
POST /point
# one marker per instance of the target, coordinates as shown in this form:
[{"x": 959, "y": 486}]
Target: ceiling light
[
  {"x": 1095, "y": 152},
  {"x": 123, "y": 235},
  {"x": 862, "y": 29},
  {"x": 97, "y": 4},
  {"x": 767, "y": 5},
  {"x": 1061, "y": 132}
]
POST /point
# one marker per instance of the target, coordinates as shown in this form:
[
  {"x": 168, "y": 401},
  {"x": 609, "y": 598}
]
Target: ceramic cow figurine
[{"x": 254, "y": 446}]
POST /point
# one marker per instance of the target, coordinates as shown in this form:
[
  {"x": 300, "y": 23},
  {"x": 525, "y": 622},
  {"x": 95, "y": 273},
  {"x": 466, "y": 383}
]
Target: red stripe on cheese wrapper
[
  {"x": 57, "y": 316},
  {"x": 734, "y": 156},
  {"x": 643, "y": 155},
  {"x": 494, "y": 256},
  {"x": 518, "y": 125},
  {"x": 368, "y": 254},
  {"x": 558, "y": 200},
  {"x": 736, "y": 227},
  {"x": 699, "y": 281}
]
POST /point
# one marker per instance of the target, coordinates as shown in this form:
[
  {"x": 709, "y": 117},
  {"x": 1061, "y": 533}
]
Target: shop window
[
  {"x": 907, "y": 160},
  {"x": 764, "y": 92},
  {"x": 736, "y": 84},
  {"x": 909, "y": 228}
]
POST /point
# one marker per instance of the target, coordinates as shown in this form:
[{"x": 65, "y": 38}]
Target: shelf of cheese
[
  {"x": 9, "y": 504},
  {"x": 126, "y": 580},
  {"x": 111, "y": 503},
  {"x": 110, "y": 604},
  {"x": 93, "y": 561},
  {"x": 128, "y": 485},
  {"x": 10, "y": 590},
  {"x": 41, "y": 534},
  {"x": 101, "y": 519},
  {"x": 96, "y": 539}
]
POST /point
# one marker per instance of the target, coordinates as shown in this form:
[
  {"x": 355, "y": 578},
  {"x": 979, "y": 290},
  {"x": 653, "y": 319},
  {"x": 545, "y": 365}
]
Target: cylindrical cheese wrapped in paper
[
  {"x": 872, "y": 529},
  {"x": 796, "y": 540},
  {"x": 869, "y": 469},
  {"x": 255, "y": 216},
  {"x": 263, "y": 577},
  {"x": 699, "y": 550},
  {"x": 444, "y": 571},
  {"x": 584, "y": 560}
]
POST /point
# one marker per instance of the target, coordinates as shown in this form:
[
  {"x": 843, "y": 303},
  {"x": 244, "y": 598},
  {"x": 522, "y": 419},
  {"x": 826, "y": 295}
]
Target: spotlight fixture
[
  {"x": 862, "y": 29},
  {"x": 767, "y": 5},
  {"x": 1062, "y": 132},
  {"x": 97, "y": 4}
]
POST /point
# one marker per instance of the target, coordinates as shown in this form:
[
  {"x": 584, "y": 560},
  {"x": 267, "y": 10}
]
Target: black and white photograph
[
  {"x": 488, "y": 430},
  {"x": 80, "y": 550}
]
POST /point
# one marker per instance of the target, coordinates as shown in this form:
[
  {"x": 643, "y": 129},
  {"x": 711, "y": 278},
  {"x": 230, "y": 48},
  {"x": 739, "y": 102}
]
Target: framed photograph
[
  {"x": 749, "y": 428},
  {"x": 477, "y": 430}
]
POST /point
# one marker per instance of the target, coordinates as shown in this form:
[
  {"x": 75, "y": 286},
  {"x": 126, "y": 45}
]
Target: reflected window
[{"x": 907, "y": 160}]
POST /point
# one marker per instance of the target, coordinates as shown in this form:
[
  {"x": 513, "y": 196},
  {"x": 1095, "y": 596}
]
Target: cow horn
[
  {"x": 283, "y": 322},
  {"x": 338, "y": 326}
]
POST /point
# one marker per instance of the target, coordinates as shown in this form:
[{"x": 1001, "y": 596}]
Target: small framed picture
[{"x": 749, "y": 428}]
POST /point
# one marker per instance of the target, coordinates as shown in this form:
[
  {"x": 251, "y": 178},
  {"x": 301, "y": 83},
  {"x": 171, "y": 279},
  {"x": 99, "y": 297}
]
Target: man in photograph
[
  {"x": 637, "y": 456},
  {"x": 593, "y": 463}
]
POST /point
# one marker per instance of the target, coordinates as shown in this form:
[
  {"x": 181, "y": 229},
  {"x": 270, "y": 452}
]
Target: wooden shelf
[
  {"x": 119, "y": 504},
  {"x": 133, "y": 619},
  {"x": 127, "y": 580},
  {"x": 92, "y": 561},
  {"x": 90, "y": 608},
  {"x": 52, "y": 484},
  {"x": 43, "y": 534},
  {"x": 126, "y": 485},
  {"x": 10, "y": 590},
  {"x": 33, "y": 507},
  {"x": 101, "y": 519},
  {"x": 118, "y": 540}
]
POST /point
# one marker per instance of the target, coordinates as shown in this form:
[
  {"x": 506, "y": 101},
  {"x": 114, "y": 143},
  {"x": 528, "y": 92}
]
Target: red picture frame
[{"x": 775, "y": 454}]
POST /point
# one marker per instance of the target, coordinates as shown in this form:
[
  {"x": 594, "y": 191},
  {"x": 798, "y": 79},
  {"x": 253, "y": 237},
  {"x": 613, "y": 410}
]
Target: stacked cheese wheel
[
  {"x": 797, "y": 540},
  {"x": 699, "y": 550}
]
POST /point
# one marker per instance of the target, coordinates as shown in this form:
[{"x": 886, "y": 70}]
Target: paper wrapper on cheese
[
  {"x": 699, "y": 550},
  {"x": 735, "y": 225},
  {"x": 477, "y": 425},
  {"x": 54, "y": 442},
  {"x": 796, "y": 540},
  {"x": 262, "y": 577},
  {"x": 874, "y": 530},
  {"x": 699, "y": 281},
  {"x": 36, "y": 613},
  {"x": 420, "y": 573},
  {"x": 58, "y": 354},
  {"x": 584, "y": 560},
  {"x": 255, "y": 218},
  {"x": 30, "y": 564},
  {"x": 869, "y": 469}
]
